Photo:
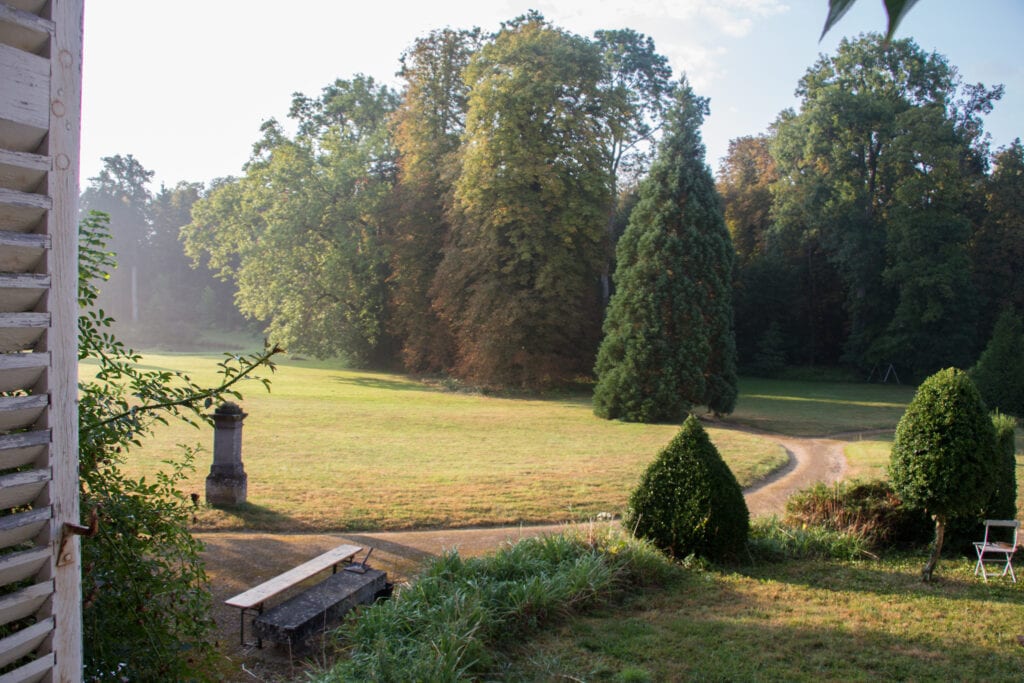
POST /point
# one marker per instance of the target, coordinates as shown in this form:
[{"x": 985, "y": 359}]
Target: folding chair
[{"x": 991, "y": 550}]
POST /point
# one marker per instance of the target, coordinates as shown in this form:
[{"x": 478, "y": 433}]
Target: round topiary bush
[
  {"x": 688, "y": 501},
  {"x": 943, "y": 456}
]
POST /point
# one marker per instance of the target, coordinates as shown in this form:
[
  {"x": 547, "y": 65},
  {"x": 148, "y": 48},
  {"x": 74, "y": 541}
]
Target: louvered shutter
[{"x": 40, "y": 586}]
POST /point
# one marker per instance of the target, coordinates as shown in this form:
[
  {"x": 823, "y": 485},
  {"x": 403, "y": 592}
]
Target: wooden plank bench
[{"x": 254, "y": 599}]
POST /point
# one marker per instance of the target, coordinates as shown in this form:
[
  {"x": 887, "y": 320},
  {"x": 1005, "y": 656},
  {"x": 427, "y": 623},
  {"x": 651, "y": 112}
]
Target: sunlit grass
[{"x": 334, "y": 449}]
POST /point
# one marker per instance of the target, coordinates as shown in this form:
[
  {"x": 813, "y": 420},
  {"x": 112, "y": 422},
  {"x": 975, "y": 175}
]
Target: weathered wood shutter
[{"x": 40, "y": 584}]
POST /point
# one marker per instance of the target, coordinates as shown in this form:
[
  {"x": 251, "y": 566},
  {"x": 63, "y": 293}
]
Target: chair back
[{"x": 1002, "y": 523}]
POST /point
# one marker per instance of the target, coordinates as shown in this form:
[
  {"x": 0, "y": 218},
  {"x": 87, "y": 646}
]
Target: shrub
[
  {"x": 999, "y": 372},
  {"x": 868, "y": 510},
  {"x": 146, "y": 601},
  {"x": 451, "y": 621},
  {"x": 688, "y": 500},
  {"x": 1003, "y": 502},
  {"x": 943, "y": 455}
]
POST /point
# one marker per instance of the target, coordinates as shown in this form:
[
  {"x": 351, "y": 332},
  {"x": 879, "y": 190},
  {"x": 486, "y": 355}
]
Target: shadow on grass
[
  {"x": 247, "y": 517},
  {"x": 709, "y": 628},
  {"x": 953, "y": 579},
  {"x": 371, "y": 382}
]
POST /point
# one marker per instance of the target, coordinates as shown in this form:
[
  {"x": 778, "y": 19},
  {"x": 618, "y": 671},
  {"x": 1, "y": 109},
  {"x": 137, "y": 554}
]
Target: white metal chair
[{"x": 993, "y": 550}]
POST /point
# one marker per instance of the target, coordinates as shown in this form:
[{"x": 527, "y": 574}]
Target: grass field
[
  {"x": 809, "y": 620},
  {"x": 819, "y": 408},
  {"x": 334, "y": 449}
]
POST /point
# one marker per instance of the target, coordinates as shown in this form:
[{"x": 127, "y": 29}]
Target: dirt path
[{"x": 237, "y": 561}]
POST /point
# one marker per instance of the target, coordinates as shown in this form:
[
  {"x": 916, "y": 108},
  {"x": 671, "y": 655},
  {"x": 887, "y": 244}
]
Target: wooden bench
[{"x": 254, "y": 599}]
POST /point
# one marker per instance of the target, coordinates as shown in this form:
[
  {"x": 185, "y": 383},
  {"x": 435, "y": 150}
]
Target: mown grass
[
  {"x": 819, "y": 408},
  {"x": 807, "y": 620},
  {"x": 335, "y": 449}
]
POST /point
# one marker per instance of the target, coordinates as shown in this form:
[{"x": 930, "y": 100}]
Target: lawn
[
  {"x": 820, "y": 408},
  {"x": 808, "y": 620},
  {"x": 335, "y": 449}
]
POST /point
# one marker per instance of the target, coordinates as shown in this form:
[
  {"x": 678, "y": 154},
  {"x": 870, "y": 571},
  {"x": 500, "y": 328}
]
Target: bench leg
[{"x": 241, "y": 626}]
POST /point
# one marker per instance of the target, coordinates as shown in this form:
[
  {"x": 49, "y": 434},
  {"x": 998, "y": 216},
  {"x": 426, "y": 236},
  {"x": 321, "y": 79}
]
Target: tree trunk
[{"x": 940, "y": 532}]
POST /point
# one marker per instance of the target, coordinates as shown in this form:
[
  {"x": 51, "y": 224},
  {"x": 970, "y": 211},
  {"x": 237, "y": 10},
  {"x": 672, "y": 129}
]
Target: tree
[
  {"x": 669, "y": 340},
  {"x": 688, "y": 500},
  {"x": 999, "y": 372},
  {"x": 301, "y": 232},
  {"x": 635, "y": 89},
  {"x": 518, "y": 282},
  {"x": 997, "y": 245},
  {"x": 120, "y": 191},
  {"x": 887, "y": 142},
  {"x": 427, "y": 129},
  {"x": 943, "y": 455},
  {"x": 146, "y": 600}
]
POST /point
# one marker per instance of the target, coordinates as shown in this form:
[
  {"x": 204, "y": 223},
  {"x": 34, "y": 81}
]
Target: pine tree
[{"x": 669, "y": 341}]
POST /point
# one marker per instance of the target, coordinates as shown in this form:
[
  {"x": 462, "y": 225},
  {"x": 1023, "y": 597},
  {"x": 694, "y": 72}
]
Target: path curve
[{"x": 811, "y": 460}]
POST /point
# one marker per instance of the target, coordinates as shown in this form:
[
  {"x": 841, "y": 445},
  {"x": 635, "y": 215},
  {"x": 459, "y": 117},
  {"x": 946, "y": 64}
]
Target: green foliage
[
  {"x": 869, "y": 510},
  {"x": 688, "y": 501},
  {"x": 300, "y": 233},
  {"x": 999, "y": 372},
  {"x": 669, "y": 340},
  {"x": 881, "y": 126},
  {"x": 774, "y": 541},
  {"x": 451, "y": 622},
  {"x": 943, "y": 451},
  {"x": 943, "y": 457},
  {"x": 997, "y": 246},
  {"x": 1003, "y": 502},
  {"x": 146, "y": 609},
  {"x": 517, "y": 283}
]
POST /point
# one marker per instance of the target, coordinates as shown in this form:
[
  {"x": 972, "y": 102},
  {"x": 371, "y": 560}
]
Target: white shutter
[{"x": 40, "y": 583}]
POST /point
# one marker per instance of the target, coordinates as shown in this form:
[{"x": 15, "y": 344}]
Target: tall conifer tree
[{"x": 669, "y": 341}]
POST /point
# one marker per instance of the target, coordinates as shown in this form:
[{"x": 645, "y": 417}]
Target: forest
[{"x": 532, "y": 204}]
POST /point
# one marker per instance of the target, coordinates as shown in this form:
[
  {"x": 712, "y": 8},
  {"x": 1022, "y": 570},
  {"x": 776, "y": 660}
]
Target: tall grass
[{"x": 452, "y": 622}]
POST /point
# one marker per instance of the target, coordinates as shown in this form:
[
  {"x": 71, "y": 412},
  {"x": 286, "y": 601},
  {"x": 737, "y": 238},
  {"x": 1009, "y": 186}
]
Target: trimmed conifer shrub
[
  {"x": 1003, "y": 503},
  {"x": 943, "y": 456},
  {"x": 688, "y": 501},
  {"x": 999, "y": 372}
]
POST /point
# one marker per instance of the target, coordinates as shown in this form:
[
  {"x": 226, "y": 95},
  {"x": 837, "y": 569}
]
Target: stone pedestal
[{"x": 227, "y": 482}]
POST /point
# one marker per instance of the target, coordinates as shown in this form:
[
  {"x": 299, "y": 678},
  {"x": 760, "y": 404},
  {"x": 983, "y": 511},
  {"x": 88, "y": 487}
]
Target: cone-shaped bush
[
  {"x": 999, "y": 372},
  {"x": 1003, "y": 503},
  {"x": 688, "y": 501}
]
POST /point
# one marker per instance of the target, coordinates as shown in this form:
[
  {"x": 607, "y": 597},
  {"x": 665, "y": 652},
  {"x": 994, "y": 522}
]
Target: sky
[{"x": 184, "y": 86}]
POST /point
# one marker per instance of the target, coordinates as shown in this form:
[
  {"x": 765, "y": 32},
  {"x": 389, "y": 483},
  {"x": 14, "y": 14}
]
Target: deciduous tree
[
  {"x": 301, "y": 232},
  {"x": 427, "y": 128},
  {"x": 519, "y": 280}
]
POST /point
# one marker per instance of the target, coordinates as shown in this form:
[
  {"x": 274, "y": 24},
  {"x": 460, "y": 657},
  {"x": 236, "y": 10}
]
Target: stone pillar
[{"x": 227, "y": 482}]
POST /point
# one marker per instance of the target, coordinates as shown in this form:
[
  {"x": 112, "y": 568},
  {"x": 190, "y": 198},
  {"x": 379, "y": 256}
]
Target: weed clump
[
  {"x": 869, "y": 510},
  {"x": 688, "y": 501}
]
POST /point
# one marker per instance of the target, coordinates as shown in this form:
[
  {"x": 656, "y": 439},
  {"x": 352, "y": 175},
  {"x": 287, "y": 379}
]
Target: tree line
[
  {"x": 466, "y": 224},
  {"x": 472, "y": 221},
  {"x": 155, "y": 292},
  {"x": 873, "y": 227}
]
